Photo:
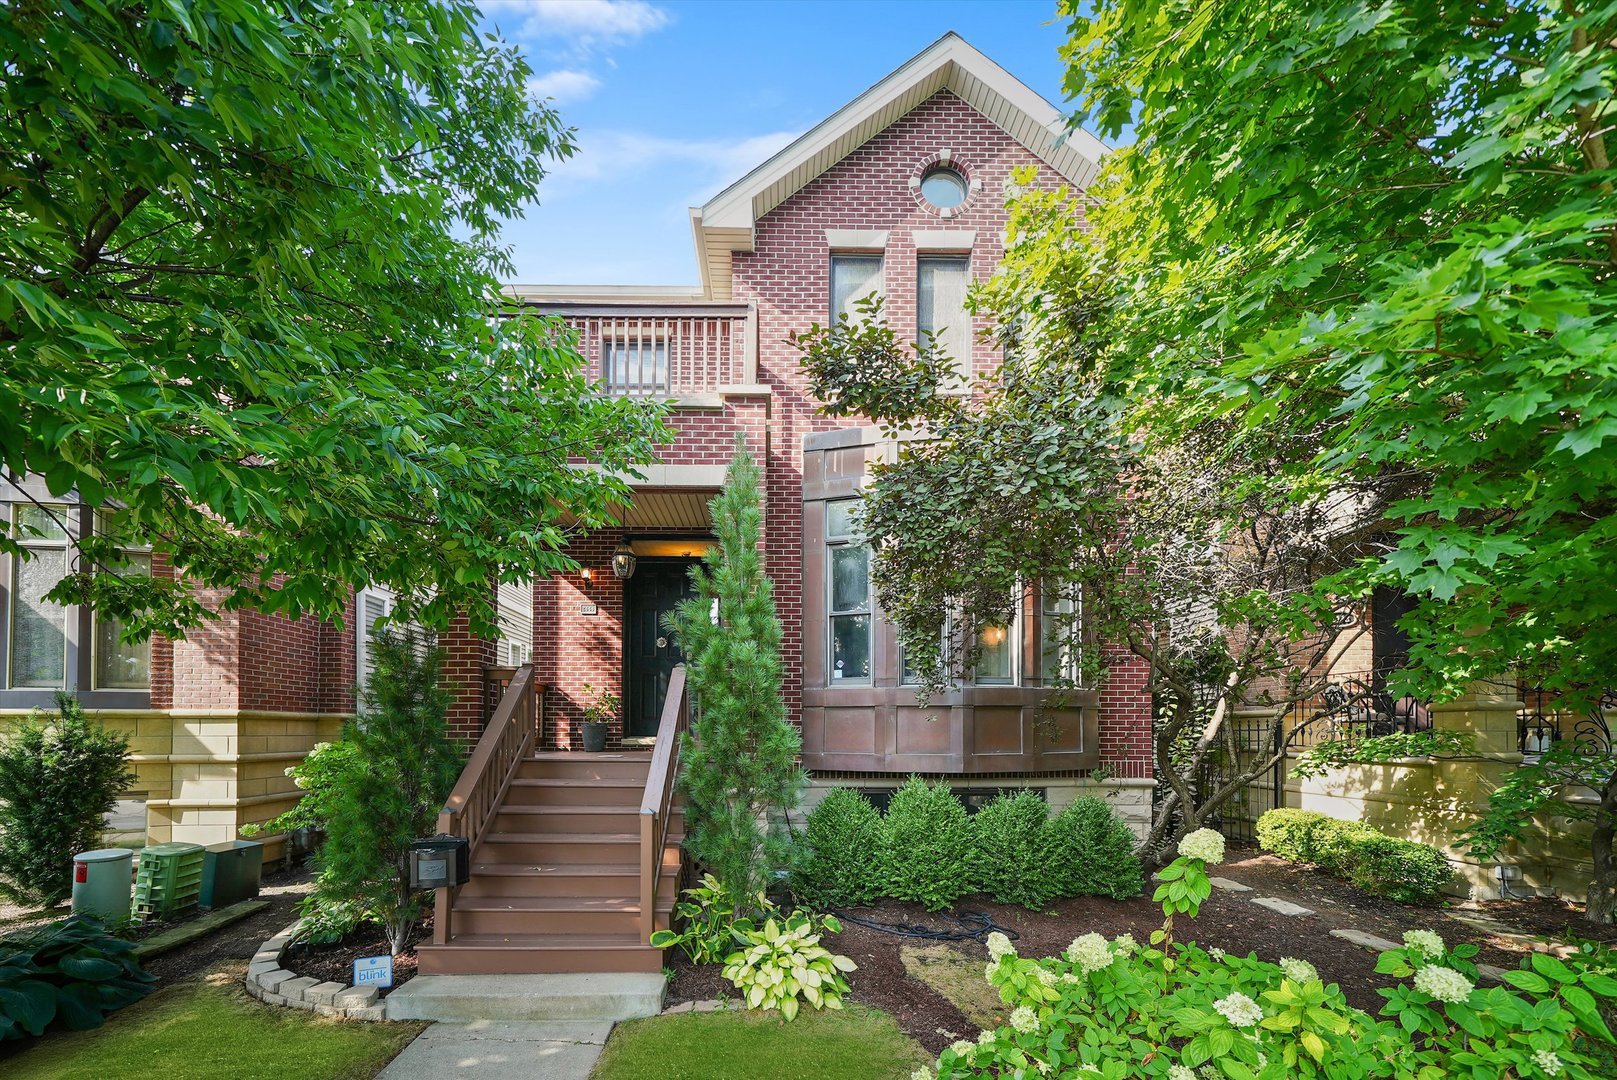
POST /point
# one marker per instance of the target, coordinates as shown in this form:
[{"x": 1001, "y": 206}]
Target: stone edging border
[{"x": 272, "y": 984}]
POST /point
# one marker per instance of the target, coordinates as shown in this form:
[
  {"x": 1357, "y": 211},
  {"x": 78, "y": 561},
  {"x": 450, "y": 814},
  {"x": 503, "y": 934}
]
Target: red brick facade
[{"x": 786, "y": 279}]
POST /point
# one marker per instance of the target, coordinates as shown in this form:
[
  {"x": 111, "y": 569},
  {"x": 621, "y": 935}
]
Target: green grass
[
  {"x": 853, "y": 1044},
  {"x": 209, "y": 1029}
]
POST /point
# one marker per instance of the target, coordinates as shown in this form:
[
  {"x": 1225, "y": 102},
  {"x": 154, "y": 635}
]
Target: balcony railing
[{"x": 674, "y": 351}]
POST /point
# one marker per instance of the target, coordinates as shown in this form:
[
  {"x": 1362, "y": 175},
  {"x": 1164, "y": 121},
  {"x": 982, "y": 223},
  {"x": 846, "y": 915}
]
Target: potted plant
[{"x": 597, "y": 715}]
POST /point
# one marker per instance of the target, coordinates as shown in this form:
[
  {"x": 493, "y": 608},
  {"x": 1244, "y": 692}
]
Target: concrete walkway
[{"x": 497, "y": 1050}]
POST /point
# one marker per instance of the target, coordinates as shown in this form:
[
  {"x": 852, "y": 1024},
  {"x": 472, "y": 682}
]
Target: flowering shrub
[
  {"x": 782, "y": 961},
  {"x": 1114, "y": 1010}
]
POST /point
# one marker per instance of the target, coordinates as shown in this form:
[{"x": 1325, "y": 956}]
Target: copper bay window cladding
[{"x": 638, "y": 350}]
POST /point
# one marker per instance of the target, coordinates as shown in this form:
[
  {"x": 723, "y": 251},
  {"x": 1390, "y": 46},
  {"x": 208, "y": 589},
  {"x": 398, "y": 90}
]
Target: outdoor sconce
[
  {"x": 587, "y": 574},
  {"x": 623, "y": 561},
  {"x": 993, "y": 636}
]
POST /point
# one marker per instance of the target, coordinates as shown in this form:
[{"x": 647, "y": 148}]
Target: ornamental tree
[
  {"x": 739, "y": 770},
  {"x": 249, "y": 287}
]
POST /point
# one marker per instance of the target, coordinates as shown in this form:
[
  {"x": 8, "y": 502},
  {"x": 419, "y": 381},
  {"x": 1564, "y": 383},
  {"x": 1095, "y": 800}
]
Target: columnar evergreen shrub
[
  {"x": 1009, "y": 858},
  {"x": 840, "y": 864},
  {"x": 400, "y": 766},
  {"x": 1089, "y": 851},
  {"x": 927, "y": 857},
  {"x": 739, "y": 761},
  {"x": 60, "y": 774}
]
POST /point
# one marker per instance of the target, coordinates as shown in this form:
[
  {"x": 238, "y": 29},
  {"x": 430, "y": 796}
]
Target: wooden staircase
[{"x": 575, "y": 859}]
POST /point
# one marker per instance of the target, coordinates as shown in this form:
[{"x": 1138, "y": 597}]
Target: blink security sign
[{"x": 374, "y": 971}]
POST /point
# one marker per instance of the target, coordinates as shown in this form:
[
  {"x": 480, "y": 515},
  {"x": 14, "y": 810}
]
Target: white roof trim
[
  {"x": 947, "y": 64},
  {"x": 681, "y": 293}
]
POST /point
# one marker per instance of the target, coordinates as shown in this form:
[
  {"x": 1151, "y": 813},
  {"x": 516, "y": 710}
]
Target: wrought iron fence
[{"x": 1545, "y": 720}]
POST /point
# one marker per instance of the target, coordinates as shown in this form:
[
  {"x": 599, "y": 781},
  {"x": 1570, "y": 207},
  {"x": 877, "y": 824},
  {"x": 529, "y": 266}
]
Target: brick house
[{"x": 901, "y": 192}]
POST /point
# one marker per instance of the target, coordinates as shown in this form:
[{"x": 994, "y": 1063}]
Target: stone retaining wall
[{"x": 272, "y": 984}]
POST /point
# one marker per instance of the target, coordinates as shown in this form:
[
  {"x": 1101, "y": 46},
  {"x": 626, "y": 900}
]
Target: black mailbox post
[{"x": 439, "y": 863}]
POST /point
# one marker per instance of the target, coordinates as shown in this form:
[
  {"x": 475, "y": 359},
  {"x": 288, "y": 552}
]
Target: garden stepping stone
[
  {"x": 1282, "y": 907},
  {"x": 1366, "y": 940},
  {"x": 1227, "y": 885}
]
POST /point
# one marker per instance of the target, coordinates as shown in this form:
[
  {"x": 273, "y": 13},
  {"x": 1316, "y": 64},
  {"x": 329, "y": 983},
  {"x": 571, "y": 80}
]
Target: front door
[{"x": 649, "y": 651}]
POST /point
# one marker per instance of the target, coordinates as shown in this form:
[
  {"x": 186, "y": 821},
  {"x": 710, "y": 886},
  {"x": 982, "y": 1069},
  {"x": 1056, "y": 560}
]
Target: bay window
[{"x": 847, "y": 558}]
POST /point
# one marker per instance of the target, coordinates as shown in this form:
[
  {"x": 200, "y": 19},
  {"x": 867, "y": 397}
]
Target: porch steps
[{"x": 555, "y": 884}]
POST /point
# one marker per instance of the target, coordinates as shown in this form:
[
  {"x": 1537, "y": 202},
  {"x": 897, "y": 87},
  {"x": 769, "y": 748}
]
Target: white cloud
[
  {"x": 564, "y": 84},
  {"x": 584, "y": 24}
]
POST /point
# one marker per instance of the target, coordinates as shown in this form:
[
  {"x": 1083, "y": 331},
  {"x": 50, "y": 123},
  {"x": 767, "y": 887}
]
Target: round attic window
[{"x": 943, "y": 187}]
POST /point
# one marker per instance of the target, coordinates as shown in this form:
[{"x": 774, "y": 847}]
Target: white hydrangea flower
[
  {"x": 1548, "y": 1060},
  {"x": 1216, "y": 953},
  {"x": 1042, "y": 1066},
  {"x": 1208, "y": 1072},
  {"x": 1425, "y": 942},
  {"x": 1444, "y": 984},
  {"x": 1025, "y": 1020},
  {"x": 1088, "y": 1068},
  {"x": 1047, "y": 978},
  {"x": 986, "y": 1038},
  {"x": 999, "y": 946},
  {"x": 988, "y": 972},
  {"x": 962, "y": 1046},
  {"x": 1091, "y": 952},
  {"x": 923, "y": 1073},
  {"x": 1298, "y": 971},
  {"x": 1069, "y": 979},
  {"x": 1204, "y": 844},
  {"x": 1240, "y": 1010},
  {"x": 1180, "y": 1072},
  {"x": 1125, "y": 945}
]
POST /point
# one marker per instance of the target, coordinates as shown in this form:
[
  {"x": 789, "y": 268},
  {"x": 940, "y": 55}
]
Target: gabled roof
[{"x": 725, "y": 223}]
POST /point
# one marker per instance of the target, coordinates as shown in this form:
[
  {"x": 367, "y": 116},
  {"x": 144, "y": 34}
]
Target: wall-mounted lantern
[{"x": 623, "y": 561}]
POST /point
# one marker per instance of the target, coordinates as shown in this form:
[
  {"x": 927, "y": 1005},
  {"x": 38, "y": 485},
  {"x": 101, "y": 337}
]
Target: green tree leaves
[{"x": 249, "y": 285}]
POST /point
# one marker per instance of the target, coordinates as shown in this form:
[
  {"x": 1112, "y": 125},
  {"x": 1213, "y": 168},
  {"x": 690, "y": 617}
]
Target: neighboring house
[
  {"x": 901, "y": 192},
  {"x": 1431, "y": 800},
  {"x": 213, "y": 721}
]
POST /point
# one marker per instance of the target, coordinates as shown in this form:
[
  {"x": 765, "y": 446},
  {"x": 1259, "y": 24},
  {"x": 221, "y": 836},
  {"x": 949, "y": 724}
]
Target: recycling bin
[
  {"x": 101, "y": 883},
  {"x": 231, "y": 872}
]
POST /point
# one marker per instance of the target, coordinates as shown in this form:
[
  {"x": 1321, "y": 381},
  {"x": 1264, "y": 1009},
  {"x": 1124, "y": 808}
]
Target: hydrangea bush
[{"x": 1113, "y": 1009}]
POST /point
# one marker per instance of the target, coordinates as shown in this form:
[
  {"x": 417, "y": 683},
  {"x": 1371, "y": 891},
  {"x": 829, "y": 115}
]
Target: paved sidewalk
[{"x": 487, "y": 1050}]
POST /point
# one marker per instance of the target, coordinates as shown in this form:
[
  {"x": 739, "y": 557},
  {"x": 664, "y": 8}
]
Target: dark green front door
[{"x": 650, "y": 653}]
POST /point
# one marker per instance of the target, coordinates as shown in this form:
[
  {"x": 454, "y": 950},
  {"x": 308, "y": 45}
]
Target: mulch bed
[
  {"x": 335, "y": 962},
  {"x": 1229, "y": 921}
]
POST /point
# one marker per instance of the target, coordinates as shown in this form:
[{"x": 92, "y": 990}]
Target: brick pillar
[{"x": 465, "y": 657}]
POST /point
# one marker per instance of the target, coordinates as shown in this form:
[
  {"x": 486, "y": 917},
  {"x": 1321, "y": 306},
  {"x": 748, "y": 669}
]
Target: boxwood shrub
[
  {"x": 840, "y": 862},
  {"x": 927, "y": 854},
  {"x": 1089, "y": 851},
  {"x": 1381, "y": 865},
  {"x": 1008, "y": 849}
]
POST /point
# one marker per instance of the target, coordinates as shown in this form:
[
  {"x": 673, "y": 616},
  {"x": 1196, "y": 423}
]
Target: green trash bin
[
  {"x": 231, "y": 872},
  {"x": 168, "y": 879},
  {"x": 101, "y": 883}
]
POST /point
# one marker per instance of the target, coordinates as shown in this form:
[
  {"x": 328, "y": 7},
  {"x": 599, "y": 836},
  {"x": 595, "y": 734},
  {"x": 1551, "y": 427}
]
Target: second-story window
[
  {"x": 847, "y": 557},
  {"x": 853, "y": 278},
  {"x": 940, "y": 305},
  {"x": 635, "y": 365}
]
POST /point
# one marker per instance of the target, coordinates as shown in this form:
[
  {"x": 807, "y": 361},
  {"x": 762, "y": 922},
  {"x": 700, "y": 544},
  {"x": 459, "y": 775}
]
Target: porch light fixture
[{"x": 623, "y": 561}]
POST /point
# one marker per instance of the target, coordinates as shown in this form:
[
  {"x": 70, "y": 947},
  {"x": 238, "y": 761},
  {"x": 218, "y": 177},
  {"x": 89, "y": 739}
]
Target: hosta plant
[
  {"x": 782, "y": 961},
  {"x": 1113, "y": 1009},
  {"x": 709, "y": 927},
  {"x": 72, "y": 972}
]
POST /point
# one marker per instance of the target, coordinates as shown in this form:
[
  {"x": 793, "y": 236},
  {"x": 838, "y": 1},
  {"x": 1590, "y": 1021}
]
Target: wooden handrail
[
  {"x": 654, "y": 807},
  {"x": 473, "y": 804}
]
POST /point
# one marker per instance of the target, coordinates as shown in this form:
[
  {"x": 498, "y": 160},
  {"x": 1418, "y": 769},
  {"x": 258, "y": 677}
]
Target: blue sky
[{"x": 674, "y": 100}]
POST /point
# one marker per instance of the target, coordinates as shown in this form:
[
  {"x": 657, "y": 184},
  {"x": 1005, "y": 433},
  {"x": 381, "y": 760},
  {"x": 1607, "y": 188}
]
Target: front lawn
[
  {"x": 852, "y": 1044},
  {"x": 207, "y": 1029}
]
